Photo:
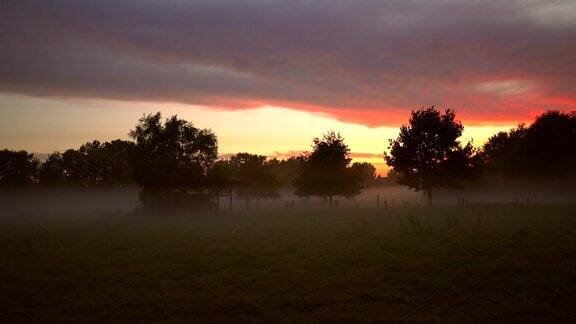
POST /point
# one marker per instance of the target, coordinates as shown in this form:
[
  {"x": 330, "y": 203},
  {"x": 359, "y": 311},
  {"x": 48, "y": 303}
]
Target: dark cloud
[{"x": 364, "y": 61}]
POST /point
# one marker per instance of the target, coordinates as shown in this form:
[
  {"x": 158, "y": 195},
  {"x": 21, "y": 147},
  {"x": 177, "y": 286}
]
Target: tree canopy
[
  {"x": 17, "y": 168},
  {"x": 171, "y": 151},
  {"x": 255, "y": 171},
  {"x": 92, "y": 164},
  {"x": 546, "y": 148},
  {"x": 366, "y": 172},
  {"x": 325, "y": 172},
  {"x": 427, "y": 152}
]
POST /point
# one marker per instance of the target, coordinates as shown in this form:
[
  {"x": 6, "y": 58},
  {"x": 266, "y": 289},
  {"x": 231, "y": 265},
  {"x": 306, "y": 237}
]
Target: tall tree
[
  {"x": 427, "y": 153},
  {"x": 17, "y": 168},
  {"x": 325, "y": 172},
  {"x": 167, "y": 152}
]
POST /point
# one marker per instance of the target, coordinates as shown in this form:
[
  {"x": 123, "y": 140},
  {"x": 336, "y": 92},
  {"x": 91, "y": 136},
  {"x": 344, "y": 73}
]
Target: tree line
[{"x": 171, "y": 154}]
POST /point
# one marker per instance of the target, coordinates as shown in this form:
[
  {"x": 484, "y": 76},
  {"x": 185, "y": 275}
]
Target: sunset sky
[{"x": 267, "y": 75}]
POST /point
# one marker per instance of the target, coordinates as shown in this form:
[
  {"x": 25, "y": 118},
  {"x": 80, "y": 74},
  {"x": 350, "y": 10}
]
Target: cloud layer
[{"x": 363, "y": 61}]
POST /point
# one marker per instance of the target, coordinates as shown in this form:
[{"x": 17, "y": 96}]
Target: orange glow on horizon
[{"x": 270, "y": 131}]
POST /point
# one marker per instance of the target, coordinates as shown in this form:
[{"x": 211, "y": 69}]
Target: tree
[
  {"x": 92, "y": 164},
  {"x": 52, "y": 170},
  {"x": 17, "y": 168},
  {"x": 325, "y": 172},
  {"x": 550, "y": 145},
  {"x": 503, "y": 152},
  {"x": 169, "y": 152},
  {"x": 222, "y": 170},
  {"x": 116, "y": 166},
  {"x": 286, "y": 170},
  {"x": 366, "y": 172},
  {"x": 545, "y": 149},
  {"x": 427, "y": 152},
  {"x": 256, "y": 172}
]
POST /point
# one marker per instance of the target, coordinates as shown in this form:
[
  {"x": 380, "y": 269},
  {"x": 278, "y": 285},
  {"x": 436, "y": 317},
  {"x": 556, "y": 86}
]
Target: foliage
[
  {"x": 167, "y": 153},
  {"x": 92, "y": 164},
  {"x": 547, "y": 148},
  {"x": 256, "y": 172},
  {"x": 286, "y": 170},
  {"x": 52, "y": 170},
  {"x": 365, "y": 171},
  {"x": 222, "y": 170},
  {"x": 17, "y": 168},
  {"x": 427, "y": 152},
  {"x": 325, "y": 172}
]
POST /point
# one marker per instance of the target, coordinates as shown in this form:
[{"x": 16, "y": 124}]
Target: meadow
[{"x": 481, "y": 263}]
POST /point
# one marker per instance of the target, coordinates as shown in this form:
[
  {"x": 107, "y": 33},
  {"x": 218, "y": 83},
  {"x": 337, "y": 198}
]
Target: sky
[{"x": 268, "y": 75}]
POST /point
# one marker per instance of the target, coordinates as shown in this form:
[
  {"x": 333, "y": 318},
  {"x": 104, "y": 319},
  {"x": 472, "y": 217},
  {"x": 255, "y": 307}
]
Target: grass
[{"x": 485, "y": 263}]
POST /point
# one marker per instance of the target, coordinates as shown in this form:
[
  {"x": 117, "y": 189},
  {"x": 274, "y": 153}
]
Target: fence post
[{"x": 230, "y": 197}]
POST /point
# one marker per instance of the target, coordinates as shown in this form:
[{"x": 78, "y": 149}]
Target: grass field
[{"x": 484, "y": 263}]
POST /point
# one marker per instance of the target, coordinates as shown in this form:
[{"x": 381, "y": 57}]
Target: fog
[
  {"x": 73, "y": 203},
  {"x": 38, "y": 202}
]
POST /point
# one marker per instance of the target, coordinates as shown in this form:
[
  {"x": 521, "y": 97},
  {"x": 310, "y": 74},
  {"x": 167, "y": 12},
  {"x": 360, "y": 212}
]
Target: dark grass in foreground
[{"x": 483, "y": 263}]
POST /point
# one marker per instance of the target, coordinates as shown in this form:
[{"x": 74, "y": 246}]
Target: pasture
[{"x": 484, "y": 262}]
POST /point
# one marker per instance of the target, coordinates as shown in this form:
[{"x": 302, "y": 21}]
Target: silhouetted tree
[
  {"x": 325, "y": 172},
  {"x": 427, "y": 152},
  {"x": 52, "y": 171},
  {"x": 91, "y": 165},
  {"x": 17, "y": 168},
  {"x": 167, "y": 152},
  {"x": 366, "y": 172},
  {"x": 117, "y": 167},
  {"x": 73, "y": 164},
  {"x": 222, "y": 170},
  {"x": 255, "y": 171},
  {"x": 68, "y": 168},
  {"x": 502, "y": 152},
  {"x": 286, "y": 170},
  {"x": 551, "y": 144},
  {"x": 545, "y": 149}
]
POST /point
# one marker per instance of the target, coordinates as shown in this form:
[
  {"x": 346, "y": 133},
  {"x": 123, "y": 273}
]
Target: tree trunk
[
  {"x": 429, "y": 196},
  {"x": 331, "y": 205}
]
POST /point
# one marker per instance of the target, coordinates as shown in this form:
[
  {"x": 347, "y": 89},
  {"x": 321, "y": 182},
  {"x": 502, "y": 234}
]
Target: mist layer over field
[{"x": 21, "y": 203}]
